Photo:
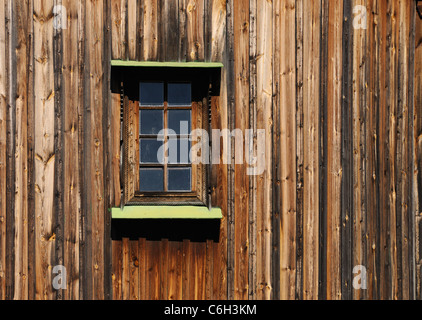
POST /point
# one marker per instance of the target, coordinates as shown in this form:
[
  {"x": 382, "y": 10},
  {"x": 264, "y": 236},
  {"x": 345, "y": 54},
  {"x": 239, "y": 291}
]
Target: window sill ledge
[{"x": 166, "y": 212}]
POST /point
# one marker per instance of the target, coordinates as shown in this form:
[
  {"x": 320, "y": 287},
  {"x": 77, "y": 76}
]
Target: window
[
  {"x": 165, "y": 120},
  {"x": 161, "y": 108}
]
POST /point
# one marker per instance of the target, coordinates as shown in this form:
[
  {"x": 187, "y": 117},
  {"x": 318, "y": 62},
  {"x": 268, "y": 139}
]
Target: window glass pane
[
  {"x": 179, "y": 151},
  {"x": 150, "y": 151},
  {"x": 151, "y": 94},
  {"x": 151, "y": 121},
  {"x": 180, "y": 121},
  {"x": 179, "y": 179},
  {"x": 179, "y": 94},
  {"x": 151, "y": 179}
]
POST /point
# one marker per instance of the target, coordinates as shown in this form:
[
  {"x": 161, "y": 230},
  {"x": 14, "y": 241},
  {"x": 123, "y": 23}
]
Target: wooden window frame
[{"x": 200, "y": 119}]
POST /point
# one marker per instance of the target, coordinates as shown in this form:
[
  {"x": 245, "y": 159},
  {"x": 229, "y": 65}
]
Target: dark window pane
[
  {"x": 151, "y": 93},
  {"x": 179, "y": 94},
  {"x": 180, "y": 121},
  {"x": 151, "y": 121},
  {"x": 179, "y": 179},
  {"x": 150, "y": 151},
  {"x": 179, "y": 151},
  {"x": 151, "y": 179}
]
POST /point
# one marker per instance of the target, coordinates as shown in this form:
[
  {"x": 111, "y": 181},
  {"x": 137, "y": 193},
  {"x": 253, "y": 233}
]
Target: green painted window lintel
[
  {"x": 166, "y": 212},
  {"x": 125, "y": 63}
]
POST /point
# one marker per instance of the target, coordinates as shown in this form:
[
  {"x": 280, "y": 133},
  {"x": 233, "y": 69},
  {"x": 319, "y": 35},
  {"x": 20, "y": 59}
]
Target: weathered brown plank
[
  {"x": 359, "y": 117},
  {"x": 241, "y": 200},
  {"x": 21, "y": 177},
  {"x": 403, "y": 146},
  {"x": 72, "y": 196},
  {"x": 163, "y": 268},
  {"x": 94, "y": 33},
  {"x": 251, "y": 149},
  {"x": 417, "y": 132},
  {"x": 117, "y": 268},
  {"x": 186, "y": 254},
  {"x": 125, "y": 269},
  {"x": 150, "y": 40},
  {"x": 132, "y": 30},
  {"x": 3, "y": 110},
  {"x": 134, "y": 270},
  {"x": 118, "y": 28},
  {"x": 172, "y": 271},
  {"x": 287, "y": 120},
  {"x": 142, "y": 270},
  {"x": 311, "y": 73},
  {"x": 299, "y": 147},
  {"x": 153, "y": 263},
  {"x": 208, "y": 275},
  {"x": 44, "y": 146},
  {"x": 195, "y": 30},
  {"x": 334, "y": 170}
]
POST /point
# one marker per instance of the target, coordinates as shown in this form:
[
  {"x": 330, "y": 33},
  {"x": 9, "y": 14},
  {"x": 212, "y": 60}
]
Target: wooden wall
[{"x": 341, "y": 107}]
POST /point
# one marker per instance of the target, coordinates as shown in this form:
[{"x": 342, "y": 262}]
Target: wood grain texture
[
  {"x": 241, "y": 179},
  {"x": 311, "y": 74},
  {"x": 334, "y": 169},
  {"x": 287, "y": 120},
  {"x": 3, "y": 143},
  {"x": 44, "y": 146}
]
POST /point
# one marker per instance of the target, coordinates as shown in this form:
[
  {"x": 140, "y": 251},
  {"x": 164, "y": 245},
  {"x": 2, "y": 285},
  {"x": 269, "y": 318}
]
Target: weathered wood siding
[{"x": 340, "y": 106}]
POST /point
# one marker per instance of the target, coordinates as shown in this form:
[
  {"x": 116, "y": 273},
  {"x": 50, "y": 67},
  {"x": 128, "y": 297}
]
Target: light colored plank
[
  {"x": 287, "y": 82},
  {"x": 44, "y": 147},
  {"x": 334, "y": 169},
  {"x": 311, "y": 76}
]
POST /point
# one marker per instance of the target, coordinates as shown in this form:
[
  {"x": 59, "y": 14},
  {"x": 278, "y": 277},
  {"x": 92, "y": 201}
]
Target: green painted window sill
[
  {"x": 124, "y": 63},
  {"x": 166, "y": 212}
]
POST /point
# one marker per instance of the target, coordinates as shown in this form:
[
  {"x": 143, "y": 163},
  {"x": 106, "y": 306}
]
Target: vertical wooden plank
[
  {"x": 125, "y": 269},
  {"x": 117, "y": 274},
  {"x": 95, "y": 41},
  {"x": 118, "y": 28},
  {"x": 219, "y": 121},
  {"x": 3, "y": 173},
  {"x": 403, "y": 146},
  {"x": 154, "y": 254},
  {"x": 299, "y": 146},
  {"x": 241, "y": 200},
  {"x": 169, "y": 35},
  {"x": 142, "y": 269},
  {"x": 193, "y": 269},
  {"x": 134, "y": 270},
  {"x": 150, "y": 40},
  {"x": 208, "y": 275},
  {"x": 334, "y": 169},
  {"x": 186, "y": 272},
  {"x": 255, "y": 245},
  {"x": 44, "y": 146},
  {"x": 347, "y": 154},
  {"x": 323, "y": 137},
  {"x": 72, "y": 196},
  {"x": 359, "y": 148},
  {"x": 311, "y": 76},
  {"x": 195, "y": 30},
  {"x": 287, "y": 120},
  {"x": 417, "y": 137},
  {"x": 58, "y": 218},
  {"x": 391, "y": 283},
  {"x": 231, "y": 126},
  {"x": 172, "y": 267},
  {"x": 21, "y": 161},
  {"x": 182, "y": 16},
  {"x": 132, "y": 31},
  {"x": 163, "y": 268}
]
